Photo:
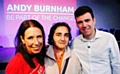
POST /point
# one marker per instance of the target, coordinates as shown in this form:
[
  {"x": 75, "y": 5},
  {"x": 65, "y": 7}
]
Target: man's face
[
  {"x": 61, "y": 38},
  {"x": 86, "y": 24}
]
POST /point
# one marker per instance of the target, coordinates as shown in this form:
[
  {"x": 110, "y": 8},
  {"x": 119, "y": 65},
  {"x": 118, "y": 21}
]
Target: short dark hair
[
  {"x": 54, "y": 27},
  {"x": 20, "y": 47},
  {"x": 82, "y": 10}
]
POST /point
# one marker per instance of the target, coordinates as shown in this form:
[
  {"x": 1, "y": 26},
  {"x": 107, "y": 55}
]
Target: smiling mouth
[
  {"x": 62, "y": 42},
  {"x": 85, "y": 30},
  {"x": 36, "y": 48}
]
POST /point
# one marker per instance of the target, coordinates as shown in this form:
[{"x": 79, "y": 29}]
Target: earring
[{"x": 23, "y": 43}]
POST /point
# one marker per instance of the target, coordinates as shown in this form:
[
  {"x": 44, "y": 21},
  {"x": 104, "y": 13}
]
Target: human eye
[
  {"x": 58, "y": 34},
  {"x": 67, "y": 35},
  {"x": 79, "y": 22},
  {"x": 87, "y": 20},
  {"x": 39, "y": 36},
  {"x": 30, "y": 37}
]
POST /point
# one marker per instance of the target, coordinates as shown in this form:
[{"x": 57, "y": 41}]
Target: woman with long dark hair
[{"x": 30, "y": 49}]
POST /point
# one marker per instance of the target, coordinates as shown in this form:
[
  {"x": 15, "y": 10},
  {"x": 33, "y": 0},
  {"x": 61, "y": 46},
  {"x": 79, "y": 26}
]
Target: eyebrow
[
  {"x": 61, "y": 33},
  {"x": 58, "y": 33},
  {"x": 86, "y": 20}
]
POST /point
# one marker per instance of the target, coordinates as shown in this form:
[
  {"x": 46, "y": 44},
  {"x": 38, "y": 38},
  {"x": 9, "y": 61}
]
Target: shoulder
[
  {"x": 74, "y": 61},
  {"x": 77, "y": 38},
  {"x": 16, "y": 61},
  {"x": 17, "y": 58},
  {"x": 103, "y": 34},
  {"x": 73, "y": 56}
]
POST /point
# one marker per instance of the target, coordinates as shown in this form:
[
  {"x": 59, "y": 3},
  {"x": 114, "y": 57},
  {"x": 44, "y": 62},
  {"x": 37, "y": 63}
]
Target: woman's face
[
  {"x": 33, "y": 40},
  {"x": 61, "y": 38}
]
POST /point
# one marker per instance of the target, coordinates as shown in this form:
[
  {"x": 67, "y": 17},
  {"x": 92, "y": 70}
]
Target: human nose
[
  {"x": 62, "y": 38},
  {"x": 36, "y": 41},
  {"x": 84, "y": 24}
]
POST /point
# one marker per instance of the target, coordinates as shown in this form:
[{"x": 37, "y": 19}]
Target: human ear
[
  {"x": 94, "y": 21},
  {"x": 22, "y": 39}
]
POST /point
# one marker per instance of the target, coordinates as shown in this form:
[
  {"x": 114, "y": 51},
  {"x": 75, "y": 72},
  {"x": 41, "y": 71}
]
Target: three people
[
  {"x": 59, "y": 58},
  {"x": 97, "y": 51},
  {"x": 30, "y": 49}
]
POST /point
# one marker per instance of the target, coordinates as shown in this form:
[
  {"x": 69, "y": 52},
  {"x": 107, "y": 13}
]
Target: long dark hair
[{"x": 20, "y": 47}]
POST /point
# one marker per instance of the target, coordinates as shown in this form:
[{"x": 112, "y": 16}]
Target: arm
[
  {"x": 13, "y": 70},
  {"x": 115, "y": 56}
]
